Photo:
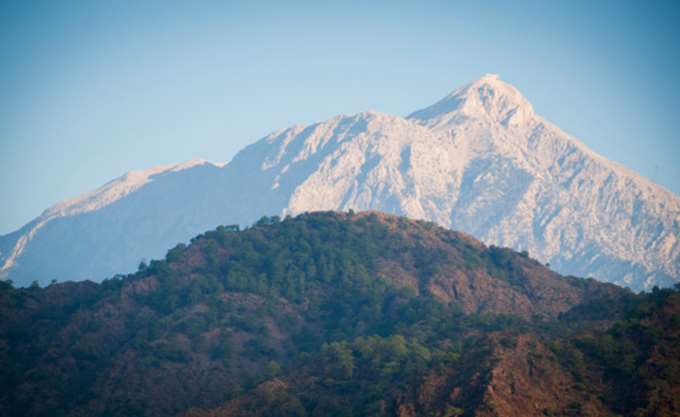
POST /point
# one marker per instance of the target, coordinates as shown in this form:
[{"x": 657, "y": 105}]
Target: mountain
[
  {"x": 339, "y": 314},
  {"x": 480, "y": 160}
]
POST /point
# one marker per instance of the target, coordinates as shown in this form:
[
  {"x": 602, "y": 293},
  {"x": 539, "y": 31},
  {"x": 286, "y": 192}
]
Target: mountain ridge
[{"x": 487, "y": 165}]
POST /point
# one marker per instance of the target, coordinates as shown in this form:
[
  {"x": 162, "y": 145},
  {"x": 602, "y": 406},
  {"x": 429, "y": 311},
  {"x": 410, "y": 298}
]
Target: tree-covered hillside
[{"x": 339, "y": 314}]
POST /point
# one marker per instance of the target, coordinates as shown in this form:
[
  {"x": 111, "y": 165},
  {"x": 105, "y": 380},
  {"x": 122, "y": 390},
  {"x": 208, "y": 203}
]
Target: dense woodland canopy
[{"x": 339, "y": 314}]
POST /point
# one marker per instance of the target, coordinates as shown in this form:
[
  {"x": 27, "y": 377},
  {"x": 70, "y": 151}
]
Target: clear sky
[{"x": 91, "y": 89}]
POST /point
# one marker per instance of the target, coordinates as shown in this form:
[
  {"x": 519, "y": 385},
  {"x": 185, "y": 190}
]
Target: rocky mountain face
[
  {"x": 339, "y": 314},
  {"x": 480, "y": 161}
]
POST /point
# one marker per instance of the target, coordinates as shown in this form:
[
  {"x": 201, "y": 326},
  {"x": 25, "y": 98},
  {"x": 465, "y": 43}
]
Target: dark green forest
[{"x": 339, "y": 314}]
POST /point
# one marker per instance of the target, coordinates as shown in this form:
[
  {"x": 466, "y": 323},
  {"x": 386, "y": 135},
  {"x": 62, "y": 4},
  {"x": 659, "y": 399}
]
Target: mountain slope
[
  {"x": 113, "y": 228},
  {"x": 480, "y": 160},
  {"x": 564, "y": 203},
  {"x": 337, "y": 314}
]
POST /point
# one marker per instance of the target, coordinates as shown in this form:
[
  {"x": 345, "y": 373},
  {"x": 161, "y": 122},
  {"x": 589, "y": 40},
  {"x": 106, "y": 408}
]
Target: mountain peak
[
  {"x": 487, "y": 98},
  {"x": 488, "y": 78},
  {"x": 479, "y": 160}
]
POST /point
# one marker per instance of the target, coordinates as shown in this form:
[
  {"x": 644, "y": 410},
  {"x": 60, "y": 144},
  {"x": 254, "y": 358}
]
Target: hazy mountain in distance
[{"x": 480, "y": 161}]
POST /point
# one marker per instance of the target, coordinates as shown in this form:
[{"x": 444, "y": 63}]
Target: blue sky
[{"x": 93, "y": 89}]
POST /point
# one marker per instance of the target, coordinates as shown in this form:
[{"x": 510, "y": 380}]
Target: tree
[
  {"x": 174, "y": 254},
  {"x": 339, "y": 360},
  {"x": 273, "y": 369}
]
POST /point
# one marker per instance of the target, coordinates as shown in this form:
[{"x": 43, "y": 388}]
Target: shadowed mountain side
[{"x": 115, "y": 238}]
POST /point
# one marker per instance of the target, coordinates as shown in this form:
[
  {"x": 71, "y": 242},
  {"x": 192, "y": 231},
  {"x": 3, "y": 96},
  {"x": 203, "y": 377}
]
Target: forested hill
[{"x": 338, "y": 314}]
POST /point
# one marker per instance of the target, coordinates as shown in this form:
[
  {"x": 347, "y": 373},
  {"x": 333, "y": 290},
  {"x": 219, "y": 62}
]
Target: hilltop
[{"x": 338, "y": 314}]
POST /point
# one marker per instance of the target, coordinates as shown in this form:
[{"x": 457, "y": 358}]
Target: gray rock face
[{"x": 480, "y": 160}]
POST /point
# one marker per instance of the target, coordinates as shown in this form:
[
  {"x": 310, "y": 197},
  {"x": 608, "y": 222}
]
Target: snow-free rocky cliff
[{"x": 480, "y": 160}]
